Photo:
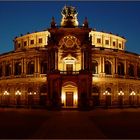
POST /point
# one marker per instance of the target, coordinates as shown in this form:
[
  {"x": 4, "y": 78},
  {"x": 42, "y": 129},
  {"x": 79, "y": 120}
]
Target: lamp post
[
  {"x": 132, "y": 98},
  {"x": 120, "y": 98},
  {"x": 107, "y": 98},
  {"x": 18, "y": 94}
]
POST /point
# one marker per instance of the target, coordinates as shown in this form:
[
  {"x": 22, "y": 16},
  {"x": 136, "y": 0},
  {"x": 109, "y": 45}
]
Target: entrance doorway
[
  {"x": 69, "y": 98},
  {"x": 69, "y": 95}
]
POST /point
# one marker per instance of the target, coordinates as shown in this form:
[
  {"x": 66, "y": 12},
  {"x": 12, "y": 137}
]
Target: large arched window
[
  {"x": 1, "y": 70},
  {"x": 17, "y": 68},
  {"x": 108, "y": 68},
  {"x": 8, "y": 70},
  {"x": 120, "y": 68},
  {"x": 131, "y": 70},
  {"x": 43, "y": 67},
  {"x": 94, "y": 67},
  {"x": 138, "y": 71},
  {"x": 30, "y": 68}
]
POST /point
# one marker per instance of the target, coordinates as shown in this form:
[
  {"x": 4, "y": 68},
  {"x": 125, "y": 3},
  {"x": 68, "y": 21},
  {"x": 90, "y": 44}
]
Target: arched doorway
[
  {"x": 107, "y": 95},
  {"x": 69, "y": 95}
]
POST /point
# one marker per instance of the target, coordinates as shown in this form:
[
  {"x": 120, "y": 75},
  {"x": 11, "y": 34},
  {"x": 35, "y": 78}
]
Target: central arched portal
[{"x": 69, "y": 95}]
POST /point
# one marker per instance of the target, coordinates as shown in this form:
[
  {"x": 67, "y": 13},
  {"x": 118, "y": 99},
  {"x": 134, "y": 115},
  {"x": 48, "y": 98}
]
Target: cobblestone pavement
[{"x": 42, "y": 124}]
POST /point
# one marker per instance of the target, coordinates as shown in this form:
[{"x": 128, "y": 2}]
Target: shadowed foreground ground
[{"x": 99, "y": 123}]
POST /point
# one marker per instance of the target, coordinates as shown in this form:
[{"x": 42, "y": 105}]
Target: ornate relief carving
[{"x": 69, "y": 42}]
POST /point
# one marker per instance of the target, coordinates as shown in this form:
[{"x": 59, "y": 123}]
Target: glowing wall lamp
[
  {"x": 18, "y": 92},
  {"x": 132, "y": 93},
  {"x": 121, "y": 93},
  {"x": 132, "y": 98},
  {"x": 107, "y": 98},
  {"x": 6, "y": 93}
]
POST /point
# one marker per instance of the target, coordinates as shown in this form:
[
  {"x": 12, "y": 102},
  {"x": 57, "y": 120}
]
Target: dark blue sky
[{"x": 121, "y": 18}]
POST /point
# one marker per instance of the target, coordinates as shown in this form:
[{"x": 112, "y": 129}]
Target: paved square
[{"x": 98, "y": 123}]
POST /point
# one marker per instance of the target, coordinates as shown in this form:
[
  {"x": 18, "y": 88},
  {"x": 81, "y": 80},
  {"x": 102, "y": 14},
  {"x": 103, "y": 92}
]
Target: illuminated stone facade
[{"x": 69, "y": 66}]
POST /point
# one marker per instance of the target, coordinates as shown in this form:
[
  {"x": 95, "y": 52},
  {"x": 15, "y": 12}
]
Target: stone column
[
  {"x": 115, "y": 63},
  {"x": 36, "y": 58},
  {"x": 25, "y": 66},
  {"x": 56, "y": 59},
  {"x": 103, "y": 40},
  {"x": 100, "y": 65},
  {"x": 103, "y": 65},
  {"x": 135, "y": 70},
  {"x": 38, "y": 64},
  {"x": 117, "y": 44},
  {"x": 126, "y": 68},
  {"x": 13, "y": 67},
  {"x": 111, "y": 42},
  {"x": 82, "y": 59},
  {"x": 22, "y": 65}
]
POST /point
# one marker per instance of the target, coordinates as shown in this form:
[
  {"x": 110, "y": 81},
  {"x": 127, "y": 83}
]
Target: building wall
[
  {"x": 113, "y": 41},
  {"x": 33, "y": 83}
]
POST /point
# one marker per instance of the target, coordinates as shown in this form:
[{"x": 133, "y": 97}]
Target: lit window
[
  {"x": 107, "y": 42},
  {"x": 32, "y": 42},
  {"x": 40, "y": 40},
  {"x": 25, "y": 43},
  {"x": 114, "y": 43},
  {"x": 98, "y": 40}
]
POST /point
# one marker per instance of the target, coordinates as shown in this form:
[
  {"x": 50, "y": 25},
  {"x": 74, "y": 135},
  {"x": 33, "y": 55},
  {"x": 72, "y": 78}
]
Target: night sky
[{"x": 122, "y": 18}]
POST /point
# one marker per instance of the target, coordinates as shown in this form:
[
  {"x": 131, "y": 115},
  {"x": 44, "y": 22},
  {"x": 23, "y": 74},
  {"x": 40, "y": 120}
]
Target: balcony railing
[
  {"x": 95, "y": 75},
  {"x": 69, "y": 72},
  {"x": 43, "y": 75}
]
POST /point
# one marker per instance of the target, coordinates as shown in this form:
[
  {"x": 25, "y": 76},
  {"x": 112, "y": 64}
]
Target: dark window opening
[
  {"x": 0, "y": 71},
  {"x": 32, "y": 42},
  {"x": 43, "y": 68},
  {"x": 107, "y": 42},
  {"x": 30, "y": 68},
  {"x": 25, "y": 43},
  {"x": 98, "y": 40},
  {"x": 18, "y": 68},
  {"x": 120, "y": 68},
  {"x": 131, "y": 70},
  {"x": 19, "y": 45},
  {"x": 114, "y": 43},
  {"x": 40, "y": 40},
  {"x": 120, "y": 45},
  {"x": 43, "y": 89},
  {"x": 138, "y": 71},
  {"x": 8, "y": 70},
  {"x": 94, "y": 67},
  {"x": 108, "y": 67}
]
